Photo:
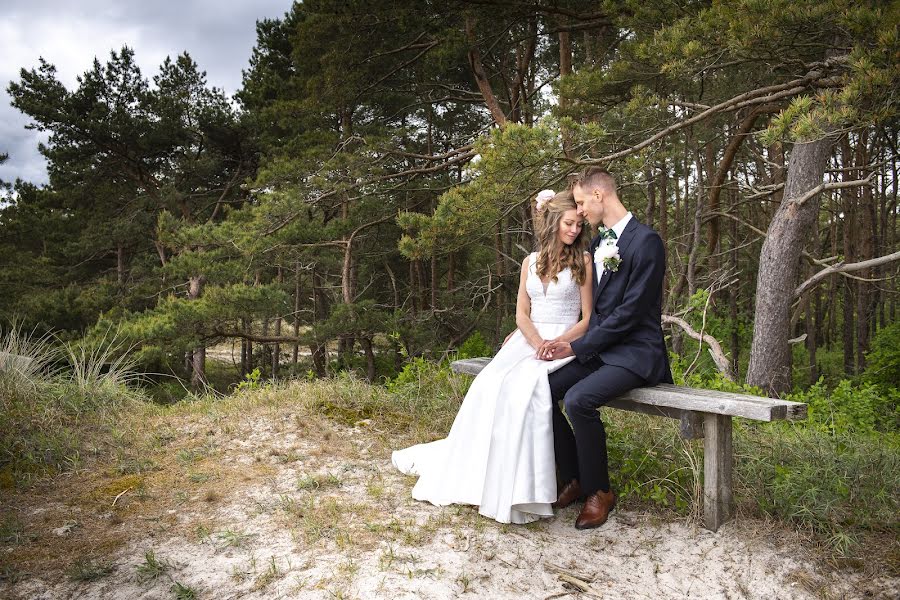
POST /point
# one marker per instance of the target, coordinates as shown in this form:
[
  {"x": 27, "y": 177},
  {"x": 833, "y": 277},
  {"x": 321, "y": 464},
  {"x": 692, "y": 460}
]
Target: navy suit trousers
[{"x": 581, "y": 448}]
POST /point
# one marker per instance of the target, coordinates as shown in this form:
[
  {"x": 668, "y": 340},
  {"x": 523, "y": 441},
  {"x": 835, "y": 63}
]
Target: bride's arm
[
  {"x": 523, "y": 311},
  {"x": 578, "y": 329}
]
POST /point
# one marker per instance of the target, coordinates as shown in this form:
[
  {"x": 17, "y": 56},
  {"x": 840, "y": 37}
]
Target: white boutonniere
[{"x": 607, "y": 254}]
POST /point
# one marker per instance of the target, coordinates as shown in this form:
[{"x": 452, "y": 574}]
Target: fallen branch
[
  {"x": 715, "y": 348},
  {"x": 120, "y": 494},
  {"x": 563, "y": 571}
]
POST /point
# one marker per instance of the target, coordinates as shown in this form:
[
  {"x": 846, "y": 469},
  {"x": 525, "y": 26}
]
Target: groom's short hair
[{"x": 596, "y": 177}]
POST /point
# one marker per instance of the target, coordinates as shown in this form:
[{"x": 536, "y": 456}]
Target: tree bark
[
  {"x": 198, "y": 355},
  {"x": 481, "y": 78},
  {"x": 651, "y": 196},
  {"x": 565, "y": 69},
  {"x": 719, "y": 177},
  {"x": 779, "y": 262},
  {"x": 120, "y": 265},
  {"x": 296, "y": 355},
  {"x": 366, "y": 344},
  {"x": 866, "y": 249}
]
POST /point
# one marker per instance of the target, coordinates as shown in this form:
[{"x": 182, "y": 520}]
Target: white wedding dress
[{"x": 499, "y": 452}]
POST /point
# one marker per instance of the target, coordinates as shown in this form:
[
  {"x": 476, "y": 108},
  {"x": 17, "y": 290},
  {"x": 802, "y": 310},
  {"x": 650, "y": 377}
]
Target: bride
[{"x": 499, "y": 452}]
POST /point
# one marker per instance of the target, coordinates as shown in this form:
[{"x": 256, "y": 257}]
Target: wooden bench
[{"x": 703, "y": 414}]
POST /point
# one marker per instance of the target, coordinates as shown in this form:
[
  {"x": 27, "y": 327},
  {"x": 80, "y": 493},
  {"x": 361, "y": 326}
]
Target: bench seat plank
[{"x": 689, "y": 399}]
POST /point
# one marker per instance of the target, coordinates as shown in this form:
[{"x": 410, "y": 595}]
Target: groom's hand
[
  {"x": 555, "y": 350},
  {"x": 543, "y": 349}
]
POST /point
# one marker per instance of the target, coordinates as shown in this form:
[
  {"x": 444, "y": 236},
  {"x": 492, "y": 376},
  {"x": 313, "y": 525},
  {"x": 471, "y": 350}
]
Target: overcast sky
[{"x": 69, "y": 34}]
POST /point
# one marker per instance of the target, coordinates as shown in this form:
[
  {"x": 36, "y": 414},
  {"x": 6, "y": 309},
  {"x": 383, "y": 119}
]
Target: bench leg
[{"x": 716, "y": 470}]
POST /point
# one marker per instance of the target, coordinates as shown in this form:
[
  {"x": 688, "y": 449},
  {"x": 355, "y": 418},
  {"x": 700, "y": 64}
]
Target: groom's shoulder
[{"x": 643, "y": 229}]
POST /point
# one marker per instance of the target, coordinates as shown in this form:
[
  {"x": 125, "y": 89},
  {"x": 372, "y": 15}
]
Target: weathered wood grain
[
  {"x": 687, "y": 399},
  {"x": 716, "y": 470}
]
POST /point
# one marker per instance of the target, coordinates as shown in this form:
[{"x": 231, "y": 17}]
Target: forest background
[{"x": 364, "y": 201}]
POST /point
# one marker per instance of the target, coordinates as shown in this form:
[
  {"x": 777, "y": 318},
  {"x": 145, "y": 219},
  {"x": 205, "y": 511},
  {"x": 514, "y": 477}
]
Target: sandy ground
[{"x": 274, "y": 510}]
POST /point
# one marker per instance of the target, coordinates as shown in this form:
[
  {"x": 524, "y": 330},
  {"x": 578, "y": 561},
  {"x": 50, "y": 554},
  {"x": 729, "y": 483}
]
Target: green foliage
[
  {"x": 45, "y": 416},
  {"x": 89, "y": 570},
  {"x": 475, "y": 346},
  {"x": 183, "y": 592},
  {"x": 840, "y": 486},
  {"x": 883, "y": 360},
  {"x": 851, "y": 408},
  {"x": 651, "y": 464},
  {"x": 250, "y": 382},
  {"x": 152, "y": 567}
]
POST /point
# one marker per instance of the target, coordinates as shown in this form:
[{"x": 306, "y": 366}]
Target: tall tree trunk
[
  {"x": 709, "y": 164},
  {"x": 651, "y": 196},
  {"x": 779, "y": 262},
  {"x": 366, "y": 343},
  {"x": 848, "y": 195},
  {"x": 664, "y": 220},
  {"x": 413, "y": 286},
  {"x": 719, "y": 177},
  {"x": 691, "y": 272},
  {"x": 733, "y": 291},
  {"x": 276, "y": 347},
  {"x": 565, "y": 69},
  {"x": 198, "y": 355},
  {"x": 481, "y": 78},
  {"x": 266, "y": 348},
  {"x": 318, "y": 349},
  {"x": 498, "y": 262},
  {"x": 451, "y": 271},
  {"x": 296, "y": 354},
  {"x": 866, "y": 251},
  {"x": 812, "y": 342},
  {"x": 120, "y": 265},
  {"x": 434, "y": 280}
]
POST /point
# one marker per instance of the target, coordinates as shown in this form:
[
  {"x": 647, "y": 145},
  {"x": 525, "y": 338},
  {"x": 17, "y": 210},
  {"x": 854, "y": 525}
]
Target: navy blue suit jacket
[{"x": 625, "y": 328}]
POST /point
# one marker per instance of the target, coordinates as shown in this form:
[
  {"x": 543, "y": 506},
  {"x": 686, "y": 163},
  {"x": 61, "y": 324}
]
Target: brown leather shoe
[
  {"x": 596, "y": 510},
  {"x": 569, "y": 494}
]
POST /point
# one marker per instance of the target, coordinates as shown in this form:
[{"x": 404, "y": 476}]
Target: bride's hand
[
  {"x": 537, "y": 345},
  {"x": 542, "y": 349}
]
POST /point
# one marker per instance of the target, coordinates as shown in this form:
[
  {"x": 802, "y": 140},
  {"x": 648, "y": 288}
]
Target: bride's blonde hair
[{"x": 553, "y": 255}]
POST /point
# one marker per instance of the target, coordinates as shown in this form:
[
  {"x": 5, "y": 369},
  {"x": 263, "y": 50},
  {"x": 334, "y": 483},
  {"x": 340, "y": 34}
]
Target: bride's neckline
[{"x": 544, "y": 284}]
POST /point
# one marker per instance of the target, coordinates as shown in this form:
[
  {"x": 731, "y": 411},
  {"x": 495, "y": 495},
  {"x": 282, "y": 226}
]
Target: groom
[{"x": 622, "y": 349}]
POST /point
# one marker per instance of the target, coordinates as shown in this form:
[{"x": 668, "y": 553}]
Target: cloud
[{"x": 219, "y": 36}]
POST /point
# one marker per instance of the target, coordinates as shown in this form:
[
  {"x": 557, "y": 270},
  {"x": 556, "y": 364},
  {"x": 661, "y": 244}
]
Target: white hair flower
[{"x": 543, "y": 197}]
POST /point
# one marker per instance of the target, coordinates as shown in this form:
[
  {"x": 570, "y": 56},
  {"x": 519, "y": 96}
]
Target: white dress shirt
[{"x": 618, "y": 228}]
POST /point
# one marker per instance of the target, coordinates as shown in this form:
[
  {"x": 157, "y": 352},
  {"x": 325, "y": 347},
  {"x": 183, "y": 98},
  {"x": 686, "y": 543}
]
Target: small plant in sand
[
  {"x": 271, "y": 574},
  {"x": 183, "y": 592},
  {"x": 152, "y": 567},
  {"x": 318, "y": 482},
  {"x": 88, "y": 570},
  {"x": 234, "y": 539}
]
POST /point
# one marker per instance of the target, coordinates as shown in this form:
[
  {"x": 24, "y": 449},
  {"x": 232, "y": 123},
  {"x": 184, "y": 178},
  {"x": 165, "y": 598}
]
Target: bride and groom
[{"x": 588, "y": 330}]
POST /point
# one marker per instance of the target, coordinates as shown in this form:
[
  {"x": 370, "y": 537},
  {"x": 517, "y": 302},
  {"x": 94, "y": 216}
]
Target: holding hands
[{"x": 554, "y": 350}]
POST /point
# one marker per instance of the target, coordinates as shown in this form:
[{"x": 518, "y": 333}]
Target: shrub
[
  {"x": 883, "y": 360},
  {"x": 475, "y": 346},
  {"x": 860, "y": 408},
  {"x": 47, "y": 417}
]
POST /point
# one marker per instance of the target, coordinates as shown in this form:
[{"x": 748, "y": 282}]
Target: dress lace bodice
[{"x": 559, "y": 303}]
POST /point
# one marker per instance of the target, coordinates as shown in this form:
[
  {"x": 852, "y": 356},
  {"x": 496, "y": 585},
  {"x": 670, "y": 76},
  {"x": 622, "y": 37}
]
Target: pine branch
[
  {"x": 834, "y": 185},
  {"x": 762, "y": 95},
  {"x": 843, "y": 268}
]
